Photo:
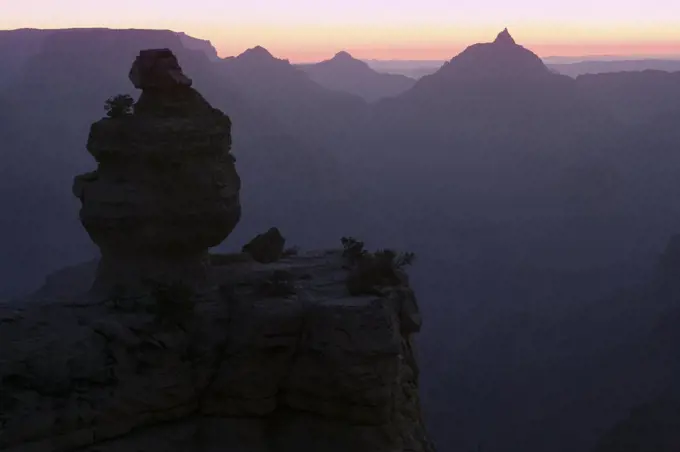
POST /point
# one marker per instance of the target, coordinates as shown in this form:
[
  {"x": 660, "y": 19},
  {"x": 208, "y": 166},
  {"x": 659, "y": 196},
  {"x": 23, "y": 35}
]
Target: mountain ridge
[{"x": 345, "y": 73}]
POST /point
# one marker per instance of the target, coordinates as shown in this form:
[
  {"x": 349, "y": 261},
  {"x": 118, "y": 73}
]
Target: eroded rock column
[{"x": 166, "y": 188}]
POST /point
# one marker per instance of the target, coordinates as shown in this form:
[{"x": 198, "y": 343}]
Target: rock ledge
[{"x": 236, "y": 370}]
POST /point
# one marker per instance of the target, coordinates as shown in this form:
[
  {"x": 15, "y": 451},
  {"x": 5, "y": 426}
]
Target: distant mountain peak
[
  {"x": 504, "y": 37},
  {"x": 346, "y": 73},
  {"x": 346, "y": 61},
  {"x": 257, "y": 53},
  {"x": 343, "y": 56},
  {"x": 501, "y": 58}
]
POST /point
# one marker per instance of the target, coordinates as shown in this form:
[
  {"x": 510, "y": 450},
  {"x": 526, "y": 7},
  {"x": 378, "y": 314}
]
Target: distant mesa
[{"x": 202, "y": 45}]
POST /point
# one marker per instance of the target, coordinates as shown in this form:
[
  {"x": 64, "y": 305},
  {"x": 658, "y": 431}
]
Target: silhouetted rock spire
[{"x": 166, "y": 188}]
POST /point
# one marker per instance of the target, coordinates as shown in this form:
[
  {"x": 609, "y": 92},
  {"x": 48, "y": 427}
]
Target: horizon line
[{"x": 301, "y": 60}]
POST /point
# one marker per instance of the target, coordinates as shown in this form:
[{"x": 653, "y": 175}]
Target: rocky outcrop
[
  {"x": 166, "y": 188},
  {"x": 222, "y": 369},
  {"x": 267, "y": 247}
]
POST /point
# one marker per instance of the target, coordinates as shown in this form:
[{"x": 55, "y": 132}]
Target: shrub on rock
[
  {"x": 118, "y": 106},
  {"x": 370, "y": 272}
]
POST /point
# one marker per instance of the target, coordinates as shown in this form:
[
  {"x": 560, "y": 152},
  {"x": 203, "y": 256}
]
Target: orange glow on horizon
[
  {"x": 442, "y": 53},
  {"x": 401, "y": 38},
  {"x": 446, "y": 52},
  {"x": 315, "y": 43}
]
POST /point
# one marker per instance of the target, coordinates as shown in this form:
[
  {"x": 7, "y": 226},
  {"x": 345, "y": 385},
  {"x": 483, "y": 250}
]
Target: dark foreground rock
[{"x": 312, "y": 369}]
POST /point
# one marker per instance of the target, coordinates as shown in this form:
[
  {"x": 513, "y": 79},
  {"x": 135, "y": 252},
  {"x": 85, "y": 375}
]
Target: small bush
[
  {"x": 119, "y": 105},
  {"x": 353, "y": 249},
  {"x": 402, "y": 260},
  {"x": 372, "y": 271}
]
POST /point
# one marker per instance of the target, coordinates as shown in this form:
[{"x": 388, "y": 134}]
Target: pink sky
[{"x": 304, "y": 30}]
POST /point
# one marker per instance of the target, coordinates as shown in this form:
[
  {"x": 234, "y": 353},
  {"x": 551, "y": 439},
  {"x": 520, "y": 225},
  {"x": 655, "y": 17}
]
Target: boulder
[{"x": 267, "y": 247}]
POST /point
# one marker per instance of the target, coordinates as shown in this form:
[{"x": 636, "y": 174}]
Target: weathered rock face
[
  {"x": 316, "y": 370},
  {"x": 166, "y": 188}
]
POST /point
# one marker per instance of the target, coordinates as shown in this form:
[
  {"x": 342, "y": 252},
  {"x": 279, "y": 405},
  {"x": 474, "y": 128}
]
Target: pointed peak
[
  {"x": 504, "y": 37},
  {"x": 501, "y": 58}
]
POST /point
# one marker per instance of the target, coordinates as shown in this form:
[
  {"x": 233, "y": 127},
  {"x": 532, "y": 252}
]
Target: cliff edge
[
  {"x": 160, "y": 346},
  {"x": 275, "y": 357}
]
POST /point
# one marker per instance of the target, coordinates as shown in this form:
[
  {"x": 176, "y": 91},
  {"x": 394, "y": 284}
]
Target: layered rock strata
[
  {"x": 237, "y": 370},
  {"x": 166, "y": 188}
]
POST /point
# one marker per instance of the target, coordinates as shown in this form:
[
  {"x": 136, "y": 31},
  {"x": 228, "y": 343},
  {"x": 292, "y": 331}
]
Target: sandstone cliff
[{"x": 241, "y": 369}]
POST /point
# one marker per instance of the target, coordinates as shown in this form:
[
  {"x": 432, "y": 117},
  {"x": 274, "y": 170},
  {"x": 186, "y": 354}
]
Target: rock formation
[
  {"x": 267, "y": 247},
  {"x": 166, "y": 188},
  {"x": 274, "y": 357},
  {"x": 316, "y": 370}
]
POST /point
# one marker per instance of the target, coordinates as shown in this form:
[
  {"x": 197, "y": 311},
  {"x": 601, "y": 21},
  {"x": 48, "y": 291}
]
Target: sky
[{"x": 310, "y": 30}]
